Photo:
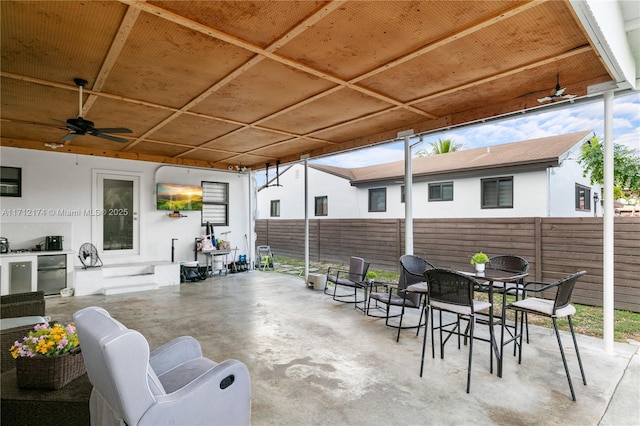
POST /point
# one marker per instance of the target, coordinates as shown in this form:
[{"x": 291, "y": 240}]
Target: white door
[{"x": 116, "y": 224}]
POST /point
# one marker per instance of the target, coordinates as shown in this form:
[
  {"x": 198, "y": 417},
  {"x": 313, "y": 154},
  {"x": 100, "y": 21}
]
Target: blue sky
[
  {"x": 590, "y": 116},
  {"x": 573, "y": 118}
]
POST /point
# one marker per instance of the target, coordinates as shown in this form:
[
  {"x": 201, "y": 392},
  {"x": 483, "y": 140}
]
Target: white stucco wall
[
  {"x": 341, "y": 195},
  {"x": 562, "y": 187},
  {"x": 529, "y": 198},
  {"x": 55, "y": 181}
]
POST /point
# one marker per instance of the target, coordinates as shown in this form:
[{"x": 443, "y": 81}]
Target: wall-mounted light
[
  {"x": 53, "y": 145},
  {"x": 596, "y": 198}
]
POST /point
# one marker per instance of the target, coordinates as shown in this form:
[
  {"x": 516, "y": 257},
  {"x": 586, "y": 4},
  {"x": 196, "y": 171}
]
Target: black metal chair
[
  {"x": 451, "y": 291},
  {"x": 352, "y": 279},
  {"x": 412, "y": 279},
  {"x": 412, "y": 272},
  {"x": 559, "y": 307},
  {"x": 508, "y": 263}
]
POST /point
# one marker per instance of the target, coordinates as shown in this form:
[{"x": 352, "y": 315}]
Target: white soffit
[{"x": 604, "y": 23}]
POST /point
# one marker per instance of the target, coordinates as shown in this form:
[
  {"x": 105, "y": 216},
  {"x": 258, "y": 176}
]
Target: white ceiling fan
[{"x": 558, "y": 94}]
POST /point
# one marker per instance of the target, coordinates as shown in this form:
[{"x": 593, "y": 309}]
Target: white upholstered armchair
[{"x": 174, "y": 384}]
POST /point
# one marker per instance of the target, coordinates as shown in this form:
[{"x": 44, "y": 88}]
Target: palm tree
[{"x": 440, "y": 147}]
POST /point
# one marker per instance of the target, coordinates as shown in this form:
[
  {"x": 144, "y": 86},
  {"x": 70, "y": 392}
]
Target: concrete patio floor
[{"x": 315, "y": 361}]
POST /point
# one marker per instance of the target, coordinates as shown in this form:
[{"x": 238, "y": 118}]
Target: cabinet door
[{"x": 19, "y": 277}]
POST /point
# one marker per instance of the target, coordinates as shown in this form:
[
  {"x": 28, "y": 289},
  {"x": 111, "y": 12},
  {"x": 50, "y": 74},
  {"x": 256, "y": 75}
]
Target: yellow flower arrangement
[{"x": 46, "y": 340}]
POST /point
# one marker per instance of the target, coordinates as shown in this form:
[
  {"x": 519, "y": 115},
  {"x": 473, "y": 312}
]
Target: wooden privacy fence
[{"x": 554, "y": 247}]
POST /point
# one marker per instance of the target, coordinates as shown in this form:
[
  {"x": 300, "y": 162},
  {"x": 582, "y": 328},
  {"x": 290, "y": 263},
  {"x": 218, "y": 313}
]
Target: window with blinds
[
  {"x": 497, "y": 193},
  {"x": 275, "y": 208},
  {"x": 215, "y": 203},
  {"x": 322, "y": 206},
  {"x": 583, "y": 198}
]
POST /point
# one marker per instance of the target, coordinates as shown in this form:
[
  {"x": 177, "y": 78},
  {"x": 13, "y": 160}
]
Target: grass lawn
[{"x": 588, "y": 320}]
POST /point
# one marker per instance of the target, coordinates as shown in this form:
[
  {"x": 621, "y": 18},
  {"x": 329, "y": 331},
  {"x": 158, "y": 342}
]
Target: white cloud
[{"x": 589, "y": 117}]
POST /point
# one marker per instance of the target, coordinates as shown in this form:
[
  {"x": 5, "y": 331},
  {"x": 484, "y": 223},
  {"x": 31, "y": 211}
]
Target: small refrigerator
[{"x": 52, "y": 273}]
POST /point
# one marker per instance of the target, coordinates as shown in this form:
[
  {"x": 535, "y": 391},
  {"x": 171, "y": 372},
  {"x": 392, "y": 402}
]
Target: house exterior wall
[
  {"x": 55, "y": 182},
  {"x": 562, "y": 187},
  {"x": 341, "y": 195},
  {"x": 542, "y": 193}
]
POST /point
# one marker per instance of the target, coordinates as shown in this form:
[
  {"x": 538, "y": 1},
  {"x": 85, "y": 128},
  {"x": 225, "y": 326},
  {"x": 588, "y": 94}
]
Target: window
[
  {"x": 322, "y": 206},
  {"x": 378, "y": 200},
  {"x": 583, "y": 197},
  {"x": 215, "y": 203},
  {"x": 11, "y": 182},
  {"x": 402, "y": 194},
  {"x": 497, "y": 193},
  {"x": 275, "y": 208},
  {"x": 442, "y": 191}
]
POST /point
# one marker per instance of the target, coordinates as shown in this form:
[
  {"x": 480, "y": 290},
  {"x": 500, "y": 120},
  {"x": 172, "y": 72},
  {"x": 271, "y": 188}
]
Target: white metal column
[
  {"x": 408, "y": 191},
  {"x": 306, "y": 220},
  {"x": 607, "y": 221}
]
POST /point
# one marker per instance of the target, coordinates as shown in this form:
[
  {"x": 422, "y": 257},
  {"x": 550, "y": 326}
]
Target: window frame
[
  {"x": 224, "y": 186},
  {"x": 369, "y": 203},
  {"x": 321, "y": 198},
  {"x": 276, "y": 204},
  {"x": 441, "y": 185},
  {"x": 587, "y": 198},
  {"x": 13, "y": 183},
  {"x": 497, "y": 180}
]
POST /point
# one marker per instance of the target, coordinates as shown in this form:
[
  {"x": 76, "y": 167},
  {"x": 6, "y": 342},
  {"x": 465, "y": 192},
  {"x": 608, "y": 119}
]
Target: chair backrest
[
  {"x": 117, "y": 362},
  {"x": 449, "y": 286},
  {"x": 357, "y": 268},
  {"x": 509, "y": 263},
  {"x": 413, "y": 268},
  {"x": 565, "y": 289},
  {"x": 412, "y": 272}
]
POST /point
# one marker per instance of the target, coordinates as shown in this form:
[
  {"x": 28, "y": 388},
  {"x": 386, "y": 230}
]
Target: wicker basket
[{"x": 49, "y": 372}]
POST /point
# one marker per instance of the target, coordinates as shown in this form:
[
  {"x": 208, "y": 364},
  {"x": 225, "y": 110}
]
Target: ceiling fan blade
[
  {"x": 109, "y": 137},
  {"x": 568, "y": 96},
  {"x": 59, "y": 121},
  {"x": 545, "y": 99},
  {"x": 113, "y": 130},
  {"x": 70, "y": 136}
]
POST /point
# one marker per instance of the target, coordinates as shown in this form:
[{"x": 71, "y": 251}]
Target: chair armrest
[
  {"x": 335, "y": 271},
  {"x": 207, "y": 399},
  {"x": 345, "y": 275},
  {"x": 544, "y": 286},
  {"x": 173, "y": 353}
]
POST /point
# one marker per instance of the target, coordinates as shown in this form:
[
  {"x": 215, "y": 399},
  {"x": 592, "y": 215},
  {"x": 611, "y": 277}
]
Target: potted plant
[
  {"x": 478, "y": 260},
  {"x": 48, "y": 357}
]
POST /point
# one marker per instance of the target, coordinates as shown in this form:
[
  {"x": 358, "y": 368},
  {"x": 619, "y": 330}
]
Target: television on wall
[{"x": 175, "y": 197}]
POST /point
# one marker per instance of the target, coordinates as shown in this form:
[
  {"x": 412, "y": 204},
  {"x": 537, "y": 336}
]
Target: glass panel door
[{"x": 117, "y": 214}]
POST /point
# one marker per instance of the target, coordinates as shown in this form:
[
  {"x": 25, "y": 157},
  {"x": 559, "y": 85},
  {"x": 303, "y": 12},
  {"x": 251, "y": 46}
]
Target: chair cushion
[
  {"x": 420, "y": 287},
  {"x": 183, "y": 374},
  {"x": 395, "y": 299},
  {"x": 461, "y": 309},
  {"x": 543, "y": 306}
]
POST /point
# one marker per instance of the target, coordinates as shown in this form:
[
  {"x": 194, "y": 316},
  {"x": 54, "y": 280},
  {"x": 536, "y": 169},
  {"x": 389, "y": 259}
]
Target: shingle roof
[{"x": 541, "y": 153}]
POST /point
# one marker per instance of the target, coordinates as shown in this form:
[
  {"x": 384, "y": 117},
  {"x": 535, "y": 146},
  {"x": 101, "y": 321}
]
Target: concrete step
[{"x": 129, "y": 288}]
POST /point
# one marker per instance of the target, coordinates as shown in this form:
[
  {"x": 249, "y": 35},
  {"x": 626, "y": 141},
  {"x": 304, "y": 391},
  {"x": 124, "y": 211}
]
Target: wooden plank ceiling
[{"x": 243, "y": 83}]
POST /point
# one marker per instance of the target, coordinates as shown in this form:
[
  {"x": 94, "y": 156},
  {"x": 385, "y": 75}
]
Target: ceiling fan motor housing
[{"x": 81, "y": 123}]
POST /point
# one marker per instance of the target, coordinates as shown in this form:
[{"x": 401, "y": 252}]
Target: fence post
[{"x": 538, "y": 247}]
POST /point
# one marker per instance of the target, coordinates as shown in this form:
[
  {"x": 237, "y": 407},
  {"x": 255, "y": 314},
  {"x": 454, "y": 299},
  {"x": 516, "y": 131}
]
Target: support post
[{"x": 607, "y": 221}]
